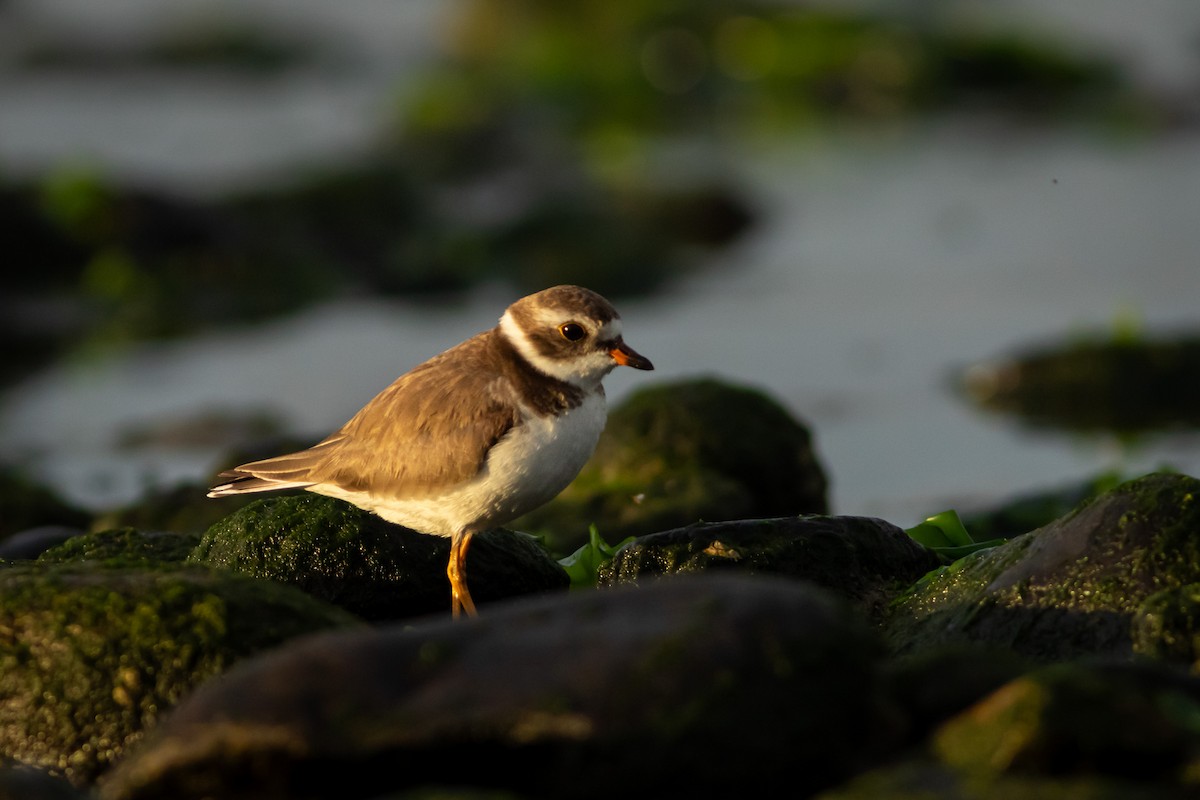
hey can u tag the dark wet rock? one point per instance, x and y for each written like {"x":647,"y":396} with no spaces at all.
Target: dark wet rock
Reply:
{"x":30,"y":504}
{"x":377,"y":570}
{"x":29,"y":544}
{"x":124,"y":547}
{"x":925,"y":780}
{"x":701,"y":687}
{"x":867,"y":561}
{"x":1072,"y":588}
{"x":91,"y":655}
{"x":19,"y":782}
{"x":1167,"y":626}
{"x":679,"y":452}
{"x":1124,"y":384}
{"x":932,"y":686}
{"x":1128,"y":722}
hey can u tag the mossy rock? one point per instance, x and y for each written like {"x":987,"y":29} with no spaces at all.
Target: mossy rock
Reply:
{"x":866,"y":561}
{"x":680,"y":452}
{"x":1128,"y":385}
{"x":124,"y":547}
{"x":1127,"y":722}
{"x":91,"y":655}
{"x":1167,"y":626}
{"x":377,"y":570}
{"x":934,"y":685}
{"x":1072,"y":588}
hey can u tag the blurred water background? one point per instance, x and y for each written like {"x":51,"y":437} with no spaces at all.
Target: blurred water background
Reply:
{"x":886,"y":255}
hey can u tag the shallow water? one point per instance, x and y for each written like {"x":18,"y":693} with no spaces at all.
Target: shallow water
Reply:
{"x":887,"y":260}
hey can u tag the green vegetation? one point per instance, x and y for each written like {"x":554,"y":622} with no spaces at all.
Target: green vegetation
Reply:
{"x":583,"y":566}
{"x":945,"y":535}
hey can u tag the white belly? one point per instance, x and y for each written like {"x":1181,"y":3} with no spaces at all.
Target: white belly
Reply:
{"x":526,"y":469}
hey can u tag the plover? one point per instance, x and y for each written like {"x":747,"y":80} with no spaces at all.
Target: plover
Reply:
{"x":475,"y":437}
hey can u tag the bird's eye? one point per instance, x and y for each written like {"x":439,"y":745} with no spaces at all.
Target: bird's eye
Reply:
{"x":572,"y":331}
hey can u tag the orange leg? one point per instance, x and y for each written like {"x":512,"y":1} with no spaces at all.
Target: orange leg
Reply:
{"x":460,"y":597}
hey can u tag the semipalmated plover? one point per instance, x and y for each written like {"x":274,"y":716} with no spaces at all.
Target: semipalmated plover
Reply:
{"x":475,"y":437}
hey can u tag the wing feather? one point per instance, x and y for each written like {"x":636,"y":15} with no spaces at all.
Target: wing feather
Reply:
{"x":430,"y":430}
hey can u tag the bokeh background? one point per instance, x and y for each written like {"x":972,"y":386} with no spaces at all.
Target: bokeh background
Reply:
{"x":227,"y":220}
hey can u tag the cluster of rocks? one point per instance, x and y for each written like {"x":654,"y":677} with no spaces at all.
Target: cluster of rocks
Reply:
{"x":300,"y":648}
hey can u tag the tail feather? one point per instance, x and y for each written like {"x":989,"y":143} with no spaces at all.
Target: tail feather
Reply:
{"x":245,"y":483}
{"x":288,"y":471}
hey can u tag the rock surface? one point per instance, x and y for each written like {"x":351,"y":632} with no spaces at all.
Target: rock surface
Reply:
{"x":124,"y":547}
{"x":723,"y":679}
{"x":866,"y":561}
{"x":1115,"y":720}
{"x":1167,"y":626}
{"x":1072,"y":588}
{"x":699,"y":687}
{"x":90,"y":655}
{"x":26,"y":783}
{"x":1120,"y":385}
{"x":376,"y":570}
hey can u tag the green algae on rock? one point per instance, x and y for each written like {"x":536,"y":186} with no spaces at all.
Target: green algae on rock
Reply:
{"x":92,"y":654}
{"x":1167,"y":626}
{"x":373,"y":568}
{"x":683,"y":451}
{"x":867,"y":561}
{"x":1072,"y":588}
{"x":124,"y":547}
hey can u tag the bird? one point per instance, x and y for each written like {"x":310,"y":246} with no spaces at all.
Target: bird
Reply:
{"x":475,"y":437}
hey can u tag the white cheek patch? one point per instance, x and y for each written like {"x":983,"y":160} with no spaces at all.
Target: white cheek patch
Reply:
{"x":512,"y":332}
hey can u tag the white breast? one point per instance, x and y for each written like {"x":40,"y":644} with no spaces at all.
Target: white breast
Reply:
{"x":527,"y":468}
